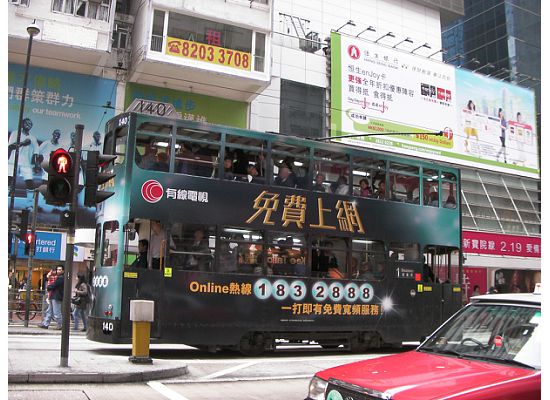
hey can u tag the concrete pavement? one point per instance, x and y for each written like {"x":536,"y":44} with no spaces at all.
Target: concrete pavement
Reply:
{"x":26,"y":364}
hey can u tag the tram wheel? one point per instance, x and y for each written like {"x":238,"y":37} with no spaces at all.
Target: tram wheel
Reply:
{"x":252,"y":344}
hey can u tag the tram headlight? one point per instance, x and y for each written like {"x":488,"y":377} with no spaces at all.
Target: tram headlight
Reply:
{"x":387,"y":304}
{"x":317,"y":387}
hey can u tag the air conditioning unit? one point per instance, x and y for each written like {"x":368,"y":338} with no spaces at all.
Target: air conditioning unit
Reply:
{"x":311,"y":43}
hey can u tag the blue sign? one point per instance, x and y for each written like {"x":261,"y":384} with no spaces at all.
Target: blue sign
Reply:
{"x":49,"y":246}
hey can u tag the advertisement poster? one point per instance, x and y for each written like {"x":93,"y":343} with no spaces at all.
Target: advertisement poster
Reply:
{"x":192,"y":106}
{"x":496,"y":124}
{"x":56,"y":101}
{"x":401,"y":99}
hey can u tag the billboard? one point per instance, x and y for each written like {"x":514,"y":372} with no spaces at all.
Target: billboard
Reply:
{"x":55,"y":102}
{"x":379,"y":90}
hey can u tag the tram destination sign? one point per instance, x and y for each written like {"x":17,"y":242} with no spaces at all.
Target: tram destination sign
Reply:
{"x":155,"y":108}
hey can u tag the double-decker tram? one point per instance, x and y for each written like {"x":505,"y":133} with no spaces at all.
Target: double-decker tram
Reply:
{"x":247,"y":239}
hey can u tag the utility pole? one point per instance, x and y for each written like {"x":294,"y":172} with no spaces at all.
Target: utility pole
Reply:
{"x":32,"y":250}
{"x":69,"y":249}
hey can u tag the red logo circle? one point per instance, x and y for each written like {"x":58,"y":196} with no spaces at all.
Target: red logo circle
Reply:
{"x":152,"y":191}
{"x":448,"y":133}
{"x":354,"y":51}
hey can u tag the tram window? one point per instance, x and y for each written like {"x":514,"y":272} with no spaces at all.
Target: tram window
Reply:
{"x":241,"y":164}
{"x":197,"y":152}
{"x":404,"y":252}
{"x":329,"y":257}
{"x":404,"y":183}
{"x":152,"y":152}
{"x":448,"y":190}
{"x":121,"y":139}
{"x":246,"y":245}
{"x":110,"y":243}
{"x":335,"y":168}
{"x":290,"y":165}
{"x":444,"y":262}
{"x":367,"y":260}
{"x":364,"y":171}
{"x":195,"y":247}
{"x":431,"y":187}
{"x":120,"y":144}
{"x":286,"y":254}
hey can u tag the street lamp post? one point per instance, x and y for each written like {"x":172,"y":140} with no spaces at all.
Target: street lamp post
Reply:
{"x":32,"y":30}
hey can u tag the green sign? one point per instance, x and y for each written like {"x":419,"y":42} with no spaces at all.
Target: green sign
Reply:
{"x":192,"y":106}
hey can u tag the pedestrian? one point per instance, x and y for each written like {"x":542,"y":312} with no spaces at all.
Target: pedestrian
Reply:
{"x":81,"y":299}
{"x":48,"y":312}
{"x":56,"y":298}
{"x":12,"y":289}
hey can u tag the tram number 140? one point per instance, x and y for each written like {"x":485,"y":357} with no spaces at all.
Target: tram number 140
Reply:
{"x":107,"y":328}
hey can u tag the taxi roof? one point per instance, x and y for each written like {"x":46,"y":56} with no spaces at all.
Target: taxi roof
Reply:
{"x":526,"y":298}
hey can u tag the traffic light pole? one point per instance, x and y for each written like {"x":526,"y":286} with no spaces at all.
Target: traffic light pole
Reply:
{"x":69,"y":249}
{"x":32,"y":250}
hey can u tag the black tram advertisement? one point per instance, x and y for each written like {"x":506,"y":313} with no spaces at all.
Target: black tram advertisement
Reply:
{"x":247,"y":239}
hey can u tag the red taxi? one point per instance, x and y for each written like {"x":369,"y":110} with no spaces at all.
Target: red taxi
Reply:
{"x":491,"y":349}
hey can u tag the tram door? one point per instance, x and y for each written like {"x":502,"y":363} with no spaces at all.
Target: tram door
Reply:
{"x":141,"y":284}
{"x":444,"y":262}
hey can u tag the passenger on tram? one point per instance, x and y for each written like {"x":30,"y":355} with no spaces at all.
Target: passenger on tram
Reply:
{"x":149,"y":158}
{"x":364,"y":189}
{"x":327,"y":259}
{"x":254,"y":175}
{"x":318,"y":185}
{"x":342,"y":186}
{"x":379,"y":272}
{"x":162,"y":162}
{"x":199,"y":256}
{"x":380,"y":192}
{"x":450,"y":202}
{"x":227,"y":258}
{"x":285,"y":177}
{"x":158,"y":236}
{"x":365,"y":271}
{"x":228,"y":168}
{"x":141,"y":259}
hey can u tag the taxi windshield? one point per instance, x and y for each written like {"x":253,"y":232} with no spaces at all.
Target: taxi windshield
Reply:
{"x":502,"y":333}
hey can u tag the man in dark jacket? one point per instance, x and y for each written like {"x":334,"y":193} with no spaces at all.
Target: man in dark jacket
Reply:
{"x":56,"y":297}
{"x":141,"y":259}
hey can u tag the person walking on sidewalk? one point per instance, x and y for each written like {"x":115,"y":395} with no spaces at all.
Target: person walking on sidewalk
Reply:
{"x":56,"y":298}
{"x":48,"y":312}
{"x":80,"y":301}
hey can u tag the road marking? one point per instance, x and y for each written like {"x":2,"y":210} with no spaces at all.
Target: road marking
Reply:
{"x":241,"y":379}
{"x":163,"y":390}
{"x":228,"y":370}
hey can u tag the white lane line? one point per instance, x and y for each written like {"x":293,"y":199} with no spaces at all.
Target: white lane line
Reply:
{"x":242,"y":379}
{"x":229,"y":370}
{"x":163,"y":390}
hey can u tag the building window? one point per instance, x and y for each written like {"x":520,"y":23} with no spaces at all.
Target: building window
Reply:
{"x":208,"y":41}
{"x":120,"y":36}
{"x":302,"y":110}
{"x":94,"y":9}
{"x":20,"y":2}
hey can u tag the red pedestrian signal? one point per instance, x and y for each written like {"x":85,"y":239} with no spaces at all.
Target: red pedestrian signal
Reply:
{"x":60,"y":168}
{"x":29,"y":244}
{"x":61,"y":161}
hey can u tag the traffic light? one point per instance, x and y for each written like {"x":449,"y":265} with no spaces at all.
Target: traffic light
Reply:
{"x":24,"y":224}
{"x":61,"y":170}
{"x":94,"y":178}
{"x":29,"y":243}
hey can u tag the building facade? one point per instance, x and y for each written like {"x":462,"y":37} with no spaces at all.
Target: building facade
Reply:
{"x":258,"y":64}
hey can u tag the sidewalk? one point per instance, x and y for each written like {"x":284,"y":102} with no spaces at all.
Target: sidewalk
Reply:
{"x":29,"y":364}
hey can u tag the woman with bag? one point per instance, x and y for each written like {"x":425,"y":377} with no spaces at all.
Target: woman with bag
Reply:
{"x":80,"y":301}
